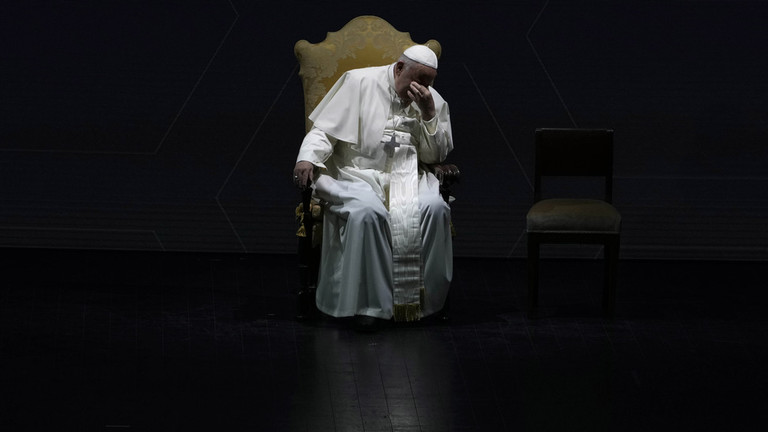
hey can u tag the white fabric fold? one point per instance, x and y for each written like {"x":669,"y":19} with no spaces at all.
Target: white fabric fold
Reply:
{"x":357,"y":107}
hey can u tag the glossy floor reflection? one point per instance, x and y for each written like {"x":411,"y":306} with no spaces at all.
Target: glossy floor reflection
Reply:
{"x":181,"y":342}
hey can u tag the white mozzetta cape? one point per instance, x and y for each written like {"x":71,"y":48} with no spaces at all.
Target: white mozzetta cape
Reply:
{"x":357,"y":107}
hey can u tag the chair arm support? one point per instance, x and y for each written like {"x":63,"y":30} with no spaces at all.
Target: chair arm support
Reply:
{"x":448,"y":175}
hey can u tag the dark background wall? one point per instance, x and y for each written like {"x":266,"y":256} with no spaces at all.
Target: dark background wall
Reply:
{"x":174,"y":125}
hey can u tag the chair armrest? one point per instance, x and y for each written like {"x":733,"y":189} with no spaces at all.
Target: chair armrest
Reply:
{"x":448,"y":175}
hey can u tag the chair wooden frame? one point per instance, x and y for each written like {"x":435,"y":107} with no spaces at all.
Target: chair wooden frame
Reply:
{"x":580,"y":153}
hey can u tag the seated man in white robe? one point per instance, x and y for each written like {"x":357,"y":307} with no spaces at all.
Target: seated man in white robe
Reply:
{"x":387,"y":250}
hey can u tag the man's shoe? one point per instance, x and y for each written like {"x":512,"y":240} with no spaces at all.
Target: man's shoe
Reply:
{"x":367,"y":323}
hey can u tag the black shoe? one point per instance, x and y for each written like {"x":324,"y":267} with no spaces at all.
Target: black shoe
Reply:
{"x":365,"y":323}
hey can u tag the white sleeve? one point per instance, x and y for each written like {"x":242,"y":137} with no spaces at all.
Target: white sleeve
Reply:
{"x":436,"y":140}
{"x":316,"y":148}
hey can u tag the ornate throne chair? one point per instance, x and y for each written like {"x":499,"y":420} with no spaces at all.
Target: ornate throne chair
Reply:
{"x":364,"y":41}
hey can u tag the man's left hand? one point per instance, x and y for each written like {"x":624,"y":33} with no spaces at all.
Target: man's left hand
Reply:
{"x":423,"y":98}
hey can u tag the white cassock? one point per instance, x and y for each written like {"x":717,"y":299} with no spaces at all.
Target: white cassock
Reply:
{"x":387,"y":247}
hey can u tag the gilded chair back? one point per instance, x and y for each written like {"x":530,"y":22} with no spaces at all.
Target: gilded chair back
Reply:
{"x":365,"y":41}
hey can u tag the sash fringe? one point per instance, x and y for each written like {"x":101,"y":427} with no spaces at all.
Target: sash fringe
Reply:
{"x":407,"y":312}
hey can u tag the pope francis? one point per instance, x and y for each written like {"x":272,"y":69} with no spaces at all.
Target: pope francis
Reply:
{"x":387,"y":249}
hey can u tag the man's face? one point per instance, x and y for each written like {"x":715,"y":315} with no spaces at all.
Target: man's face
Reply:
{"x":417,"y":72}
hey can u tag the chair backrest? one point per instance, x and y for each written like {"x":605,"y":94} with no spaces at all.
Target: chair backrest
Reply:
{"x":574,"y":153}
{"x":364,"y":41}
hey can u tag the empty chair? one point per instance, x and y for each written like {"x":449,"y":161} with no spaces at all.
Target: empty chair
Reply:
{"x":575,"y":220}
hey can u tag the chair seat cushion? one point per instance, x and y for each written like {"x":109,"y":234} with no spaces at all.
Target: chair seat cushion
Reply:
{"x":573,"y":215}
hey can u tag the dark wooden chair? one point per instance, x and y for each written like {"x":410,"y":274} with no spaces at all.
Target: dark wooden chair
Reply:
{"x":364,"y":41}
{"x":574,"y":153}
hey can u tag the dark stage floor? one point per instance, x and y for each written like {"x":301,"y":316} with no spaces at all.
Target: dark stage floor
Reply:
{"x":97,"y":341}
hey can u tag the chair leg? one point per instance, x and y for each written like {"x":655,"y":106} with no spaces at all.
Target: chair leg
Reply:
{"x":305,"y":297}
{"x":533,"y":275}
{"x":611,"y":271}
{"x":309,"y":263}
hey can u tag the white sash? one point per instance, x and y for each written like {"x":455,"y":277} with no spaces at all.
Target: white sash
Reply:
{"x":406,"y":233}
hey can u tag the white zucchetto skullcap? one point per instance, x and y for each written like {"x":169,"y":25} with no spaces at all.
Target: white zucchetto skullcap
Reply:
{"x":422,"y":54}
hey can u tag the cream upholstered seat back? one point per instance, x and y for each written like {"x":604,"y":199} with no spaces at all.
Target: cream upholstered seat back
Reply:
{"x":364,"y":41}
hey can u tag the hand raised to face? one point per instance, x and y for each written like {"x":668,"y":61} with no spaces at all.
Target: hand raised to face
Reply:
{"x":423,"y":98}
{"x":412,"y":82}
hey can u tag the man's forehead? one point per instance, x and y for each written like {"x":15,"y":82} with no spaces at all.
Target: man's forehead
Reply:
{"x":427,"y":74}
{"x":423,"y":71}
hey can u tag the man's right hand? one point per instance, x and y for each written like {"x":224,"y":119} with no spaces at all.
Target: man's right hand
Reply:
{"x":303,"y":174}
